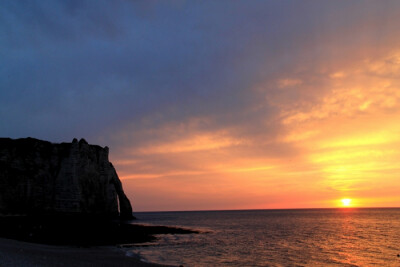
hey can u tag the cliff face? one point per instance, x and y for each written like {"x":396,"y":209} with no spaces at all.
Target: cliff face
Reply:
{"x":39,"y":177}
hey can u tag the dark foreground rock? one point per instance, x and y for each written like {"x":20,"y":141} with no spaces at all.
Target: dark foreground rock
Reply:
{"x":85,"y":231}
{"x":42,"y":178}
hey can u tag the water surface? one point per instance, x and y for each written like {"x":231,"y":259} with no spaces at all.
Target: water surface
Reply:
{"x":313,"y":237}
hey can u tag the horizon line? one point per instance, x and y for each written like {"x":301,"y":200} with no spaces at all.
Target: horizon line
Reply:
{"x":272,"y":209}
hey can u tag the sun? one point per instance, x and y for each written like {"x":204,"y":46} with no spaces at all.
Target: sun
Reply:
{"x":346,"y":202}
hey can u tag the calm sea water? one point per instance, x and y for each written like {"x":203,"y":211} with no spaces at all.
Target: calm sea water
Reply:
{"x":316,"y":237}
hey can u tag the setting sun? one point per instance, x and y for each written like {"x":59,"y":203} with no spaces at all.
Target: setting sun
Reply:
{"x":346,"y":202}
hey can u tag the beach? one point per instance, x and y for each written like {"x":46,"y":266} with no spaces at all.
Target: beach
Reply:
{"x":75,"y":241}
{"x":17,"y":253}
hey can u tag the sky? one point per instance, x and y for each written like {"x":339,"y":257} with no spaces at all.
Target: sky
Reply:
{"x":209,"y":105}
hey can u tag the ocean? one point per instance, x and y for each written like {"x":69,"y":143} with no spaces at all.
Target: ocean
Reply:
{"x":309,"y":237}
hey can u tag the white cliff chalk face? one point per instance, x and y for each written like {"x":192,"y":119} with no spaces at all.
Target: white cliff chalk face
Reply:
{"x":38,"y":177}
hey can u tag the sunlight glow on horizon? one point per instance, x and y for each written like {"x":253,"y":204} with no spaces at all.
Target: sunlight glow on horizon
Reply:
{"x":338,"y":137}
{"x":334,"y":148}
{"x":346,"y":202}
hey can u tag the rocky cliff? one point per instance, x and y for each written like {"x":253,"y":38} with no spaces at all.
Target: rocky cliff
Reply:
{"x":39,"y":177}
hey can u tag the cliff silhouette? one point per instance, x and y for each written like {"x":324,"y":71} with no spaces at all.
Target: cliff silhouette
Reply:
{"x":42,"y":178}
{"x":66,"y":194}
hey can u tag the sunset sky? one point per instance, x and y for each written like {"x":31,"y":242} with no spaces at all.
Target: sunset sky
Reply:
{"x":214,"y":104}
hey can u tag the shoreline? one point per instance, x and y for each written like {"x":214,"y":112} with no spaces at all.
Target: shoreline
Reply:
{"x":83,"y":232}
{"x":63,"y":241}
{"x":19,"y":253}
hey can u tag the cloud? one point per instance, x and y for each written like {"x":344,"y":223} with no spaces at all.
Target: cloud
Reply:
{"x":201,"y":89}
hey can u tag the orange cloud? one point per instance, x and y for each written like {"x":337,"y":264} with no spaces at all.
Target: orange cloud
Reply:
{"x":196,"y":142}
{"x":333,"y":142}
{"x":289,"y":82}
